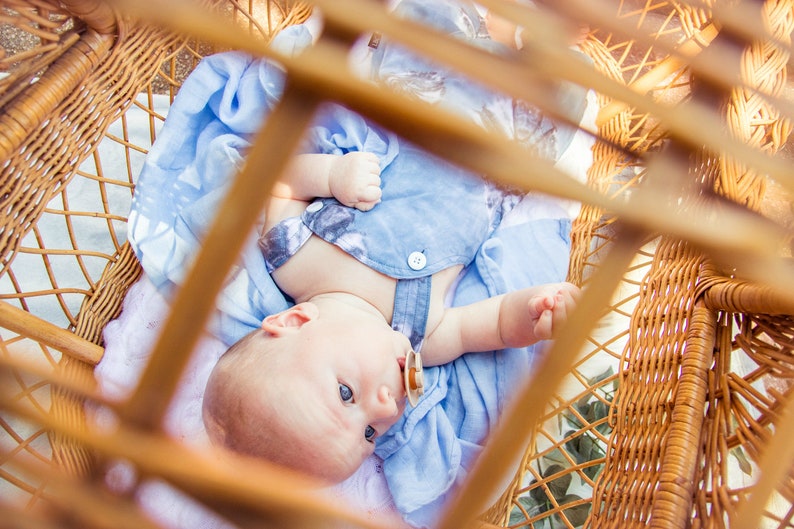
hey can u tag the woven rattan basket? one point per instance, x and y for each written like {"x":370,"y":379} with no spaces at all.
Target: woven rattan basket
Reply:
{"x":667,"y":402}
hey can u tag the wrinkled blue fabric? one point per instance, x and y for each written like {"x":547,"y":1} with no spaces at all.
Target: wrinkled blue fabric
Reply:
{"x":186,"y":174}
{"x":427,"y":206}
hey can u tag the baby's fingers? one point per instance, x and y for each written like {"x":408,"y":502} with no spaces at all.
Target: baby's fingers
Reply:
{"x":544,"y":326}
{"x":570,"y":292}
{"x":564,"y":302}
{"x":367,"y":164}
{"x":368,"y":198}
{"x":539,"y":304}
{"x":552,"y":312}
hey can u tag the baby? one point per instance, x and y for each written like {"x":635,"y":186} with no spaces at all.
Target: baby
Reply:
{"x":315,"y":386}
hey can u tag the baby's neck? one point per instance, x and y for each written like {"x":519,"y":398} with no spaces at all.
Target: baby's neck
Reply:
{"x":333,"y":300}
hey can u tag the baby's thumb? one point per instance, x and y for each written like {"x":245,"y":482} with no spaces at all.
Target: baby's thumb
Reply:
{"x":544,"y":326}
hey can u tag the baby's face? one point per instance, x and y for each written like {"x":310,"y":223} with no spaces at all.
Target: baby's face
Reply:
{"x":346,"y":387}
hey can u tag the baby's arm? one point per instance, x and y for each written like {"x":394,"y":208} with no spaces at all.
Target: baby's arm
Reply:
{"x":515,"y":319}
{"x":353,"y":179}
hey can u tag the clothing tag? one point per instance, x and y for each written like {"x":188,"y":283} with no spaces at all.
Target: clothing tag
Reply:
{"x":374,"y":41}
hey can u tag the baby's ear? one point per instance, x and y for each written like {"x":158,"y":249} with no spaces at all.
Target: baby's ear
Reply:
{"x":291,"y":319}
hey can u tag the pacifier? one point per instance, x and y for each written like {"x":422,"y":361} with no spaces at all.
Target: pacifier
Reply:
{"x":414,"y":379}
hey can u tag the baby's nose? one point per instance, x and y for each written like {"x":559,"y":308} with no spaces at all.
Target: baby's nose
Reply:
{"x":386,"y":404}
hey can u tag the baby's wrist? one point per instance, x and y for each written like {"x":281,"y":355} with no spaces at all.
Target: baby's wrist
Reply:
{"x":335,"y":177}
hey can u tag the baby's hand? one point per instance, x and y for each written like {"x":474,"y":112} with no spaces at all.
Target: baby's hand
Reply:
{"x":354,"y":180}
{"x":548,"y":311}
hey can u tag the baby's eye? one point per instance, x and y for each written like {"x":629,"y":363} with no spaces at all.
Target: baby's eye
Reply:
{"x":345,"y":393}
{"x":369,"y":433}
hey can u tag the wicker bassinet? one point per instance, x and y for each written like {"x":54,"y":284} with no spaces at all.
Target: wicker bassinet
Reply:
{"x":666,"y":403}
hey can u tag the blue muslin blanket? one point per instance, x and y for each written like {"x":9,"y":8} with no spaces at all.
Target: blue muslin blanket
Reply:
{"x":223,"y":102}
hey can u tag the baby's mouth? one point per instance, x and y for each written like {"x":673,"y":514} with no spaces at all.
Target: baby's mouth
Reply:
{"x":413,"y":377}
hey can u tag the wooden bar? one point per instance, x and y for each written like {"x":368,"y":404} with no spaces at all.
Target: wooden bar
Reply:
{"x":673,"y":504}
{"x":98,"y":15}
{"x":735,"y":295}
{"x":35,"y":105}
{"x":25,"y":323}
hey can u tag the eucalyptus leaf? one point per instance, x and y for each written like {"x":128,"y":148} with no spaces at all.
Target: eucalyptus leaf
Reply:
{"x":558,"y":486}
{"x":605,"y":374}
{"x":576,"y":514}
{"x":744,"y":463}
{"x":529,"y":505}
{"x":538,"y":494}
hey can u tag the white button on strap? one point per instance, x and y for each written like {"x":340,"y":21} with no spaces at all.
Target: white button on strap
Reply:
{"x":417,"y":260}
{"x":314,"y":207}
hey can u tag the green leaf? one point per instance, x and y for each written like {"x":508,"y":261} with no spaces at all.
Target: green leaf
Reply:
{"x":576,"y":514}
{"x":572,"y":445}
{"x":582,"y":405}
{"x":593,"y":471}
{"x":516,"y":516}
{"x":535,"y":503}
{"x":744,"y":463}
{"x":555,"y":457}
{"x":588,"y":449}
{"x":530,"y":506}
{"x":558,"y":486}
{"x":551,"y":470}
{"x":538,"y":495}
{"x":572,"y":420}
{"x":584,"y":448}
{"x":604,"y":428}
{"x":605,"y":374}
{"x":600,"y":409}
